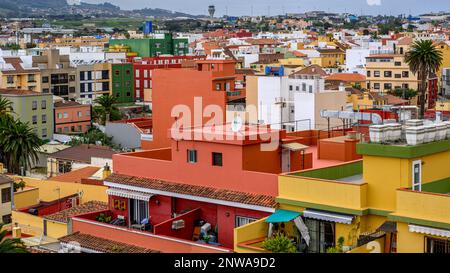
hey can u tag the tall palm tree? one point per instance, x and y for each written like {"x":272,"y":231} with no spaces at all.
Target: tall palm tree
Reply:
{"x":7,"y":245}
{"x":18,"y":143}
{"x":5,"y":105}
{"x":423,"y":59}
{"x":106,"y":103}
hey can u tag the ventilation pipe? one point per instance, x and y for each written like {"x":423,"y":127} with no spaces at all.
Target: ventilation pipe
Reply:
{"x":355,"y":116}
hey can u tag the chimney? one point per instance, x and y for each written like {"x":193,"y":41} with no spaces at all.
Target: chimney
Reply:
{"x":106,"y":171}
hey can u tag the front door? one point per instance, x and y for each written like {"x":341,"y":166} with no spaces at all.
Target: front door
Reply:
{"x":285,"y":161}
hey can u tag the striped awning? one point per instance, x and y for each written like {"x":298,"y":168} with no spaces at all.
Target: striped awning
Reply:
{"x":129,"y":194}
{"x":430,"y":231}
{"x":328,"y":216}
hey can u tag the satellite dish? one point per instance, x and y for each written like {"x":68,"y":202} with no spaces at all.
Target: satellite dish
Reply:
{"x":236,"y":124}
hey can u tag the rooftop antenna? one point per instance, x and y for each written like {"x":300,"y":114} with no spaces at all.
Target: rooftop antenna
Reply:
{"x":236,"y":124}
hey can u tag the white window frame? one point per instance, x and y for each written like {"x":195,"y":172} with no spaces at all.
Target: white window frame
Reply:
{"x":240,"y":219}
{"x":417,"y":183}
{"x":192,"y":156}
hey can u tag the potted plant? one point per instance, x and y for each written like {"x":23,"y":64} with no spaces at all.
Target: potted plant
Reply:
{"x":279,"y":243}
{"x":338,"y":247}
{"x":102,"y":217}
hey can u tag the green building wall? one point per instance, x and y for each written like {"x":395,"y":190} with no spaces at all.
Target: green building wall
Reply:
{"x":23,"y":110}
{"x":123,"y":82}
{"x":151,"y":47}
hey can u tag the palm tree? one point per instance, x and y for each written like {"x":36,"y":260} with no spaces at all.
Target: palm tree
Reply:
{"x":7,"y":245}
{"x":106,"y":103}
{"x":423,"y":59}
{"x":5,"y":105}
{"x":18,"y":143}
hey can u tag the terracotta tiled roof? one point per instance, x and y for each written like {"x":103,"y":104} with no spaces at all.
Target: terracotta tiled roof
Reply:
{"x":405,"y":41}
{"x":262,"y":41}
{"x":393,"y":100}
{"x":88,"y":207}
{"x":18,"y":92}
{"x":77,"y":175}
{"x":347,"y":77}
{"x":66,"y":104}
{"x":312,"y":70}
{"x":84,"y":153}
{"x":103,"y":245}
{"x":194,"y":190}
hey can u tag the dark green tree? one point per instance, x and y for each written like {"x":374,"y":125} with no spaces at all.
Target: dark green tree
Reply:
{"x":423,"y":59}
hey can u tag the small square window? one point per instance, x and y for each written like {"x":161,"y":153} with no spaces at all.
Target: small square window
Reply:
{"x":6,"y":195}
{"x":217,"y":159}
{"x":192,"y":156}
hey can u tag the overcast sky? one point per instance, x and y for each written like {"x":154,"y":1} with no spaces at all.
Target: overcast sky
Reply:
{"x":274,"y":7}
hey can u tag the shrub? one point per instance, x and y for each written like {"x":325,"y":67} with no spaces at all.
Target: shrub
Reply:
{"x":279,"y":243}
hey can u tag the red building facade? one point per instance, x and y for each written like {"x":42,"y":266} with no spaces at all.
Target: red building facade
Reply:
{"x":143,"y":70}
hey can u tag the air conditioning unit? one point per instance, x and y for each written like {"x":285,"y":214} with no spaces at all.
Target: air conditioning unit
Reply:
{"x":178,"y":224}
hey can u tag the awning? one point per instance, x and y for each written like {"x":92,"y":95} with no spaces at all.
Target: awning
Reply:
{"x":294,"y":146}
{"x":281,"y":216}
{"x":430,"y":231}
{"x":388,"y":226}
{"x":328,"y":216}
{"x":129,"y":194}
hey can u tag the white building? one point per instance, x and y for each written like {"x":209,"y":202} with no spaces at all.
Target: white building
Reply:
{"x":293,"y":102}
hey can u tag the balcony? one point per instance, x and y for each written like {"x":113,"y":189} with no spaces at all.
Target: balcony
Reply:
{"x":338,"y":188}
{"x":171,"y":236}
{"x":428,"y":207}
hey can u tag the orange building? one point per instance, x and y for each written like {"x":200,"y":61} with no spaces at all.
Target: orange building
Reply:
{"x":72,"y":117}
{"x":212,"y":80}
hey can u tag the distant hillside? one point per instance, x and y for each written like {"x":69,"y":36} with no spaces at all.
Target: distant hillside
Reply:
{"x":32,"y":8}
{"x":163,"y":13}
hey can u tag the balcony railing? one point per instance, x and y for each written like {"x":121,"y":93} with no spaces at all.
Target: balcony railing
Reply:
{"x":165,"y":244}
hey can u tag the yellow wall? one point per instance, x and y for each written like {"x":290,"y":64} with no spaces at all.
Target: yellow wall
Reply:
{"x":409,"y":242}
{"x":397,"y":173}
{"x":443,"y":106}
{"x":26,"y":198}
{"x":376,"y":246}
{"x":371,"y":67}
{"x":56,"y":229}
{"x":30,"y":224}
{"x":292,"y":61}
{"x":424,"y":206}
{"x":324,"y":192}
{"x":252,"y":231}
{"x":48,"y":192}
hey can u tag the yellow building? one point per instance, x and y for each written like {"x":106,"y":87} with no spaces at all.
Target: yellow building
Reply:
{"x":366,"y":100}
{"x":15,"y":74}
{"x":443,"y":106}
{"x":389,"y":72}
{"x":403,"y":208}
{"x":44,"y":194}
{"x":76,"y":42}
{"x":444,"y":47}
{"x":329,"y":57}
{"x":6,"y":191}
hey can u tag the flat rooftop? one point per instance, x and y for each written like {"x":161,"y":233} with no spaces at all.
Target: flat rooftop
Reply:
{"x":356,"y":179}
